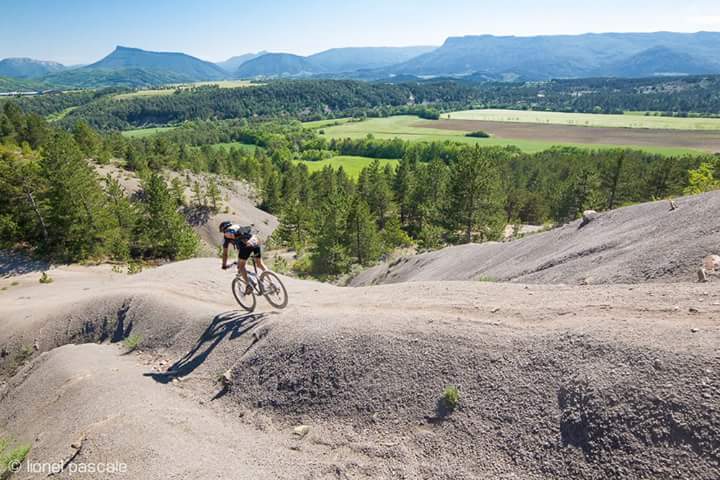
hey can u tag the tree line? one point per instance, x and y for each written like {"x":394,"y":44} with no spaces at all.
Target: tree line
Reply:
{"x":440,"y":193}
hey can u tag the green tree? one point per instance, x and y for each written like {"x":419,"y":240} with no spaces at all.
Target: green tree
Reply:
{"x":703,"y":178}
{"x":77,"y":220}
{"x":330,"y":255}
{"x":88,"y":140}
{"x":361,"y":233}
{"x":120,"y":237}
{"x":163,"y":230}
{"x":213,"y":195}
{"x":199,"y":196}
{"x":475,"y":198}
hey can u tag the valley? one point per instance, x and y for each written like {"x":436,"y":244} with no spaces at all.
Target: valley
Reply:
{"x":492,"y":256}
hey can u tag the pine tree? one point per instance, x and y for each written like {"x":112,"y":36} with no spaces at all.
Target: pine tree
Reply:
{"x":124,"y":218}
{"x":295,"y":225}
{"x":78,"y":221}
{"x":361,"y":233}
{"x":330,"y":255}
{"x":199,"y":197}
{"x":475,"y":199}
{"x":163,"y":230}
{"x":177,"y":188}
{"x":213,"y":195}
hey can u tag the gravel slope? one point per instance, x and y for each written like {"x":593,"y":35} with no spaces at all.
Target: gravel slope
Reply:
{"x":556,"y":381}
{"x":637,"y":244}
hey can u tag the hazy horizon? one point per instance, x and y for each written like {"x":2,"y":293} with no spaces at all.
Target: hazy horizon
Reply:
{"x":82,"y":31}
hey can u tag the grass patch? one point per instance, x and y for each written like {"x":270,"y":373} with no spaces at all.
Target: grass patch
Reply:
{"x":352,"y":165}
{"x":132,"y":342}
{"x":146,"y":132}
{"x":241,"y":146}
{"x":54,"y":117}
{"x":45,"y":278}
{"x":632,"y":120}
{"x":11,"y":458}
{"x":14,"y":284}
{"x":326,"y":123}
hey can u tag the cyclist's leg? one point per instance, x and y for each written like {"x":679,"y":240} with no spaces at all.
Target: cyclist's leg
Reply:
{"x":257,"y":251}
{"x":243,"y":255}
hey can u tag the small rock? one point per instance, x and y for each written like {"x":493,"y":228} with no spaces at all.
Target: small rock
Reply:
{"x":658,"y":365}
{"x":301,"y":430}
{"x":495,"y":310}
{"x":693,"y":310}
{"x":694,"y":330}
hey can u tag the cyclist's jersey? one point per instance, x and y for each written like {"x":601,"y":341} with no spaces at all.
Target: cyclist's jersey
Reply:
{"x":237,"y":235}
{"x":238,"y":232}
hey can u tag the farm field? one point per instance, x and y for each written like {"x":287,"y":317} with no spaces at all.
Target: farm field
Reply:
{"x":170,"y":89}
{"x":629,"y":120}
{"x":531,"y":139}
{"x":352,"y":165}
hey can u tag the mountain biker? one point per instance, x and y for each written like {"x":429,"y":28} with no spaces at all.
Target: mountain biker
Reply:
{"x":246,"y":243}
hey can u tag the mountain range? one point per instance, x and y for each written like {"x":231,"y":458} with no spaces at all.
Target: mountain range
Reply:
{"x":484,"y":57}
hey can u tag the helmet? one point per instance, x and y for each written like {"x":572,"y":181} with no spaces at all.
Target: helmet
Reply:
{"x":224,"y":225}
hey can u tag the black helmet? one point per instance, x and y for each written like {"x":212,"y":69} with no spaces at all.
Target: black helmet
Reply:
{"x":224,"y":225}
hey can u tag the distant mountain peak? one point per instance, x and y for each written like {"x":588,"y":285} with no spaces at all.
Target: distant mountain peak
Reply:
{"x":178,"y":64}
{"x":24,"y":67}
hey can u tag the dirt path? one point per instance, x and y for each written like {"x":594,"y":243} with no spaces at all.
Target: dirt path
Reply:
{"x":701,"y":140}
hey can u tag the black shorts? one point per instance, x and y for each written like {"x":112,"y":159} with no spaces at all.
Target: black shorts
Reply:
{"x":244,"y":251}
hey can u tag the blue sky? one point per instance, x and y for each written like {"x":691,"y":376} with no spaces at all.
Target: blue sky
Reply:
{"x":82,"y":31}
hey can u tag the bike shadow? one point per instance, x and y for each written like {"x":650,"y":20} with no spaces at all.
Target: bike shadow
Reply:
{"x":229,"y":325}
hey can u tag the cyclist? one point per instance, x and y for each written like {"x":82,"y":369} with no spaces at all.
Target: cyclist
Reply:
{"x":246,"y":243}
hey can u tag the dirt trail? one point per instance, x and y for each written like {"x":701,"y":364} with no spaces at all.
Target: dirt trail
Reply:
{"x":556,"y":381}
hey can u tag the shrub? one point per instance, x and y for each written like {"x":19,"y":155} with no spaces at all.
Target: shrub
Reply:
{"x":132,"y":342}
{"x":451,"y":397}
{"x":478,"y":134}
{"x":280,"y":264}
{"x":10,"y":459}
{"x":45,"y":278}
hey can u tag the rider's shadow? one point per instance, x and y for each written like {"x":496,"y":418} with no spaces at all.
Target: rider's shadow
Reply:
{"x":228,"y":324}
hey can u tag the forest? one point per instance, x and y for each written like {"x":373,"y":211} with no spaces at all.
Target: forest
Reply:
{"x":321,"y":99}
{"x":440,"y":194}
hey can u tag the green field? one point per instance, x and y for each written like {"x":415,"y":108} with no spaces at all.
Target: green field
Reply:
{"x":231,"y":145}
{"x":326,"y":123}
{"x":170,"y":89}
{"x":60,"y":115}
{"x":405,"y":127}
{"x":630,"y":120}
{"x":146,"y":132}
{"x":352,"y":165}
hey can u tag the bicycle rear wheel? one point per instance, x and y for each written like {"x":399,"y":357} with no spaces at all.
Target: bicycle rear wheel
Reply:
{"x":273,"y":290}
{"x":246,"y":301}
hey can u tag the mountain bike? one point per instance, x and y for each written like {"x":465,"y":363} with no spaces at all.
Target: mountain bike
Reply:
{"x":267,"y":285}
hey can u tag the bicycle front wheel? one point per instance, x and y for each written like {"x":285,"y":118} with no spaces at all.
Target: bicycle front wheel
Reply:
{"x":273,"y":290}
{"x":246,"y":300}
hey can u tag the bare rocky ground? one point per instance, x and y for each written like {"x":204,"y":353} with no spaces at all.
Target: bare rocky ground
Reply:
{"x":556,"y":381}
{"x":637,"y":244}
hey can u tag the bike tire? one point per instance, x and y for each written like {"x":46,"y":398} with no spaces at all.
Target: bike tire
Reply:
{"x":247,"y":302}
{"x":273,"y":290}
